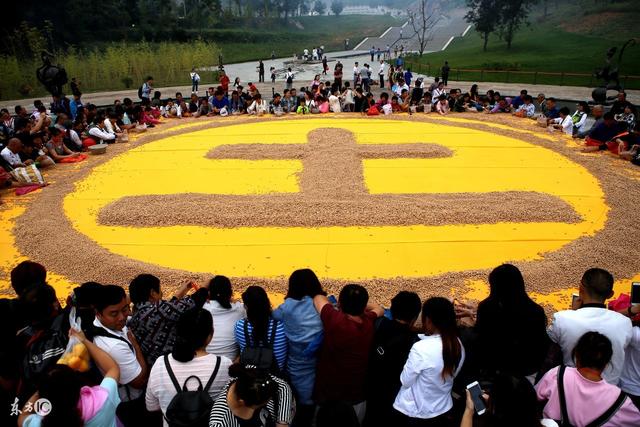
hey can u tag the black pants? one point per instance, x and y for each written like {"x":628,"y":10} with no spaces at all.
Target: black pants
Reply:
{"x":381,"y":81}
{"x":445,"y":79}
{"x":261,"y":77}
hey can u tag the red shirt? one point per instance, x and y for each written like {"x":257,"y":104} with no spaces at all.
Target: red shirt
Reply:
{"x":224,"y":82}
{"x":344,"y":356}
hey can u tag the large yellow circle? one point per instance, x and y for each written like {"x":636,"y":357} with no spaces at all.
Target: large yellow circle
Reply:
{"x":481,"y":162}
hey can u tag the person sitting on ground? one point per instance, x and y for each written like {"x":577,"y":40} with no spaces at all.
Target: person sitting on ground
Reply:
{"x":344,"y":354}
{"x":253,"y":398}
{"x":401,"y":86}
{"x":194,"y":103}
{"x":501,"y":106}
{"x":580,"y":395}
{"x":512,"y":401}
{"x":552,"y":110}
{"x":620,"y":103}
{"x":156,"y":101}
{"x":601,"y":137}
{"x":41,"y":121}
{"x":442,"y":106}
{"x":463,"y":104}
{"x":348,"y":98}
{"x":11,"y":154}
{"x":384,"y":100}
{"x":518,"y":100}
{"x":57,"y":150}
{"x":97,"y":132}
{"x":111,"y":334}
{"x":541,"y":104}
{"x":392,"y":342}
{"x":563,"y":123}
{"x":111,"y":126}
{"x":258,"y":106}
{"x":628,"y":145}
{"x":439,"y":90}
{"x":219,"y":102}
{"x":627,"y":118}
{"x":71,"y":402}
{"x":334,"y":101}
{"x":436,"y":83}
{"x":395,"y":105}
{"x":188,"y":359}
{"x":417,"y":93}
{"x":289,"y":102}
{"x":504,"y":344}
{"x":275,"y":107}
{"x":526,"y":109}
{"x":433,"y":363}
{"x":426,"y":105}
{"x":204,"y":109}
{"x":154,"y":319}
{"x":226,"y":313}
{"x":34,"y":151}
{"x":170,"y":110}
{"x":591,"y":314}
{"x":579,"y":118}
{"x":303,"y":328}
{"x":236,"y":103}
{"x":260,"y":327}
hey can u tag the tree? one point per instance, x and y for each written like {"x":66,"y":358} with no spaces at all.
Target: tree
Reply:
{"x":513,"y":13}
{"x":319,"y":7}
{"x":485,"y":16}
{"x":423,"y":20}
{"x":337,"y":7}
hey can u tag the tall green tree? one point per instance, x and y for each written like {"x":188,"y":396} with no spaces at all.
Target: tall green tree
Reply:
{"x":319,"y":7}
{"x":337,"y":7}
{"x":513,"y":13}
{"x":485,"y":16}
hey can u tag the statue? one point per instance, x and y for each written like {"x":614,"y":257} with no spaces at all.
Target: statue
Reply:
{"x":610,"y":74}
{"x":52,"y":77}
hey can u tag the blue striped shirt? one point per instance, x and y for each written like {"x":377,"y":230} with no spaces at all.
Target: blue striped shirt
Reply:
{"x":279,"y":345}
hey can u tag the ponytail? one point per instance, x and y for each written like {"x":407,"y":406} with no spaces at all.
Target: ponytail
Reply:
{"x":253,"y":387}
{"x":220,"y":291}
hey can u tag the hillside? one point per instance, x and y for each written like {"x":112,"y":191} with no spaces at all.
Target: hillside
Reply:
{"x":573,"y":38}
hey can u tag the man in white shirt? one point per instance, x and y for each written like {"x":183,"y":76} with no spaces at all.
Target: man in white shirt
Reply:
{"x":439,"y":90}
{"x":11,"y":155}
{"x":110,"y":333}
{"x":591,"y":314}
{"x":98,"y":131}
{"x":356,"y":73}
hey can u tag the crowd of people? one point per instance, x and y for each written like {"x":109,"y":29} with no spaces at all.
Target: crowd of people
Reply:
{"x":68,"y":128}
{"x":203,"y":358}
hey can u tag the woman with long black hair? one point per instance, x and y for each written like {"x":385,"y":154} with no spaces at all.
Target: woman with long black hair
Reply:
{"x":511,"y":328}
{"x":434,"y":361}
{"x":259,"y":326}
{"x":303,"y":328}
{"x":225,"y":313}
{"x":188,"y":359}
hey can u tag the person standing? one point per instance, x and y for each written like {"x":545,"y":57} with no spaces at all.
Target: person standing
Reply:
{"x":273,"y":55}
{"x":372,"y":52}
{"x":195,"y":80}
{"x":381,"y":72}
{"x":445,"y":73}
{"x":356,"y":73}
{"x":325,"y":66}
{"x":146,"y":89}
{"x":260,"y":72}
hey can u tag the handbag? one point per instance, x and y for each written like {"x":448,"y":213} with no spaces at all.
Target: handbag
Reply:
{"x":27,"y":175}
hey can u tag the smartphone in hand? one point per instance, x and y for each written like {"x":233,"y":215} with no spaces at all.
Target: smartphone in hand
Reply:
{"x":476,"y":396}
{"x":635,"y":293}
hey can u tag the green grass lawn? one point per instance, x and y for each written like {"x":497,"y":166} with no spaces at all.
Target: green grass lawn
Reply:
{"x":555,"y":46}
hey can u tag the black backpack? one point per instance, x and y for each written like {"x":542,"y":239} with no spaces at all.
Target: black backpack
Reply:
{"x":190,"y":408}
{"x":598,"y":422}
{"x":289,"y":79}
{"x":260,"y":354}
